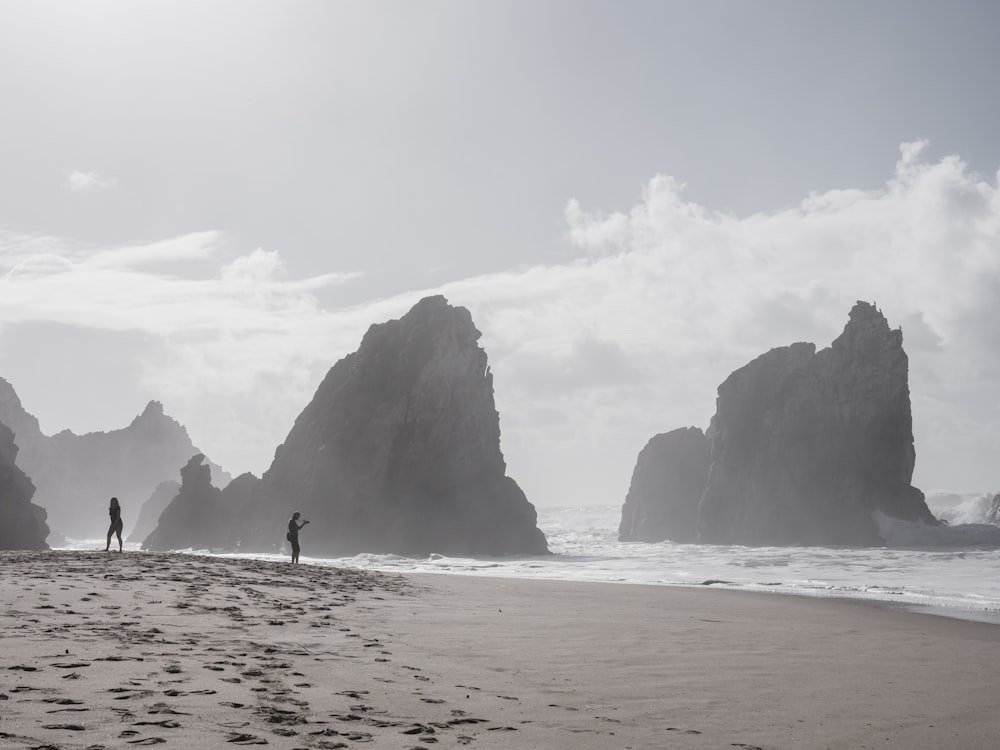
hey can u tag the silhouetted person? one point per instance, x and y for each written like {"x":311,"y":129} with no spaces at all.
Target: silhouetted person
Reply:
{"x":293,"y":534}
{"x":115,"y":511}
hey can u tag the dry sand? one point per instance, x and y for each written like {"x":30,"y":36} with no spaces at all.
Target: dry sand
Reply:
{"x":108,"y":650}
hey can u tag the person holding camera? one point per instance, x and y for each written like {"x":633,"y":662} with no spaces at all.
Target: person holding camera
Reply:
{"x":293,"y":534}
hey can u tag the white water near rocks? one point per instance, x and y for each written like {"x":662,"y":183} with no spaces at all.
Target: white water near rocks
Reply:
{"x":951,"y":570}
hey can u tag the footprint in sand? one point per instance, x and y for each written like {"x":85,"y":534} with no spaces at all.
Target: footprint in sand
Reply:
{"x":163,"y":708}
{"x":467,"y":720}
{"x":246,"y":739}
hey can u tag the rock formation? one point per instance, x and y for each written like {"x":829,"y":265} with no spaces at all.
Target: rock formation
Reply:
{"x":806,"y":445}
{"x":75,"y":475}
{"x":667,"y":484}
{"x":398,"y":451}
{"x":200,"y":515}
{"x":22,"y":523}
{"x":149,"y":512}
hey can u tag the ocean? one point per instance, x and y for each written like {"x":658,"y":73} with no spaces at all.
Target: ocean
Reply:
{"x":951,"y":570}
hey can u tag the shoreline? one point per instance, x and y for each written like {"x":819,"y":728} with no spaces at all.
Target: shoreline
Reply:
{"x":109,"y":650}
{"x":895,"y":602}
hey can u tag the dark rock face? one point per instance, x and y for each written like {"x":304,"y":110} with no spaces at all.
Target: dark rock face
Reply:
{"x":200,"y":515}
{"x":149,"y":513}
{"x":22,"y":523}
{"x":75,"y":475}
{"x":667,"y":484}
{"x":806,"y":446}
{"x":399,"y":451}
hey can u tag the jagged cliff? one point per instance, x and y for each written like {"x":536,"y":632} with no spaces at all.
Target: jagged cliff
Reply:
{"x":807,"y":445}
{"x":22,"y":523}
{"x":398,"y":451}
{"x":666,"y":487}
{"x":75,"y":475}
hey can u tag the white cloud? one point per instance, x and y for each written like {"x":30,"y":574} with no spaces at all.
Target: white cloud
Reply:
{"x":592,"y":357}
{"x":85,"y":182}
{"x":194,"y":246}
{"x":689,"y":295}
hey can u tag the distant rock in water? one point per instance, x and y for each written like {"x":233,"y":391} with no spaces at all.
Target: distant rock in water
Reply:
{"x":806,"y":446}
{"x":149,"y":512}
{"x":75,"y":475}
{"x":399,"y":451}
{"x":667,"y":484}
{"x":22,"y":523}
{"x":200,"y":515}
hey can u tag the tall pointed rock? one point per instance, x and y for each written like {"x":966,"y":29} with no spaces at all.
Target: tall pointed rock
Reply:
{"x":399,"y":451}
{"x":807,"y":447}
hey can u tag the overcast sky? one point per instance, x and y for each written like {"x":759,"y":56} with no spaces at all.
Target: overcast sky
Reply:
{"x":209,"y":203}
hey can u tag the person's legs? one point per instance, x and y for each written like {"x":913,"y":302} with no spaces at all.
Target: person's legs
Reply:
{"x":118,"y":532}
{"x":111,"y":530}
{"x":295,"y":550}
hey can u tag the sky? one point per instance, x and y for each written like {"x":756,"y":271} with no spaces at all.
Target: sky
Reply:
{"x":207,"y":204}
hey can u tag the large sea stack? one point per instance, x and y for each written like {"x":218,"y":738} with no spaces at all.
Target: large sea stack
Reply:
{"x":807,"y":447}
{"x":76,"y":475}
{"x":22,"y":523}
{"x":399,"y":451}
{"x":667,"y":484}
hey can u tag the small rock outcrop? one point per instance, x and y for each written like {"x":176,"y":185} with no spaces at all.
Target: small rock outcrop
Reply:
{"x":200,"y":515}
{"x":22,"y":523}
{"x":399,"y":451}
{"x":806,"y":446}
{"x":75,"y":475}
{"x":667,"y":484}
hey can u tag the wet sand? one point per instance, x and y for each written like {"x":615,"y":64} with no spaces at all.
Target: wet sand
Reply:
{"x":108,"y":650}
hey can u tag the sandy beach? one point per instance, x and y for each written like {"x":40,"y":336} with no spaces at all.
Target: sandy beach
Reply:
{"x":107,"y":650}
